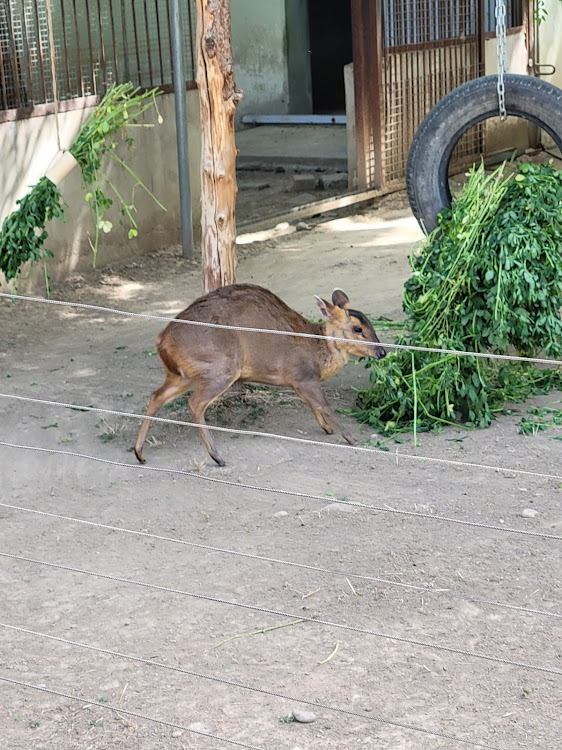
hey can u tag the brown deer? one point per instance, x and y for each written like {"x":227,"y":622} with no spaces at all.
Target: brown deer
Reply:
{"x":207,"y":360}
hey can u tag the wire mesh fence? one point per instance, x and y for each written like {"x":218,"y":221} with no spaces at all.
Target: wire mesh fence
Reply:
{"x":96,"y":43}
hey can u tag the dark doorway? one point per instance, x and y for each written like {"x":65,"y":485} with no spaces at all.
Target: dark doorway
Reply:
{"x":330,"y":49}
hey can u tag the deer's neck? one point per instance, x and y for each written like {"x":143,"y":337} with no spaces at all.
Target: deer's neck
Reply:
{"x":331,"y":356}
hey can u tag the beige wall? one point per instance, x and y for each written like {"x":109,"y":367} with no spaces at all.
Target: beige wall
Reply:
{"x":28,"y":146}
{"x":550,"y":41}
{"x":259,"y":52}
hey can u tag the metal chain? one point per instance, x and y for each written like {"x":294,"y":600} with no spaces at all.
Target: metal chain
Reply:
{"x":501,"y":34}
{"x":289,"y":615}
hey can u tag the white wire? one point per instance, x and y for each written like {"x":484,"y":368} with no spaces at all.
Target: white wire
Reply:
{"x":289,"y":615}
{"x":289,"y":493}
{"x":256,"y":433}
{"x":303,"y":566}
{"x":127,"y":712}
{"x":232,"y":683}
{"x":485,"y":355}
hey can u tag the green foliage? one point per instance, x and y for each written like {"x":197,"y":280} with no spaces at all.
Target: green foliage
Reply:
{"x":23,"y":232}
{"x":489,"y":279}
{"x":119,"y":109}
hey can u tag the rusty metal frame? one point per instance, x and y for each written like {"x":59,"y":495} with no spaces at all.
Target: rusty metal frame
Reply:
{"x":97,"y":43}
{"x":403,"y":64}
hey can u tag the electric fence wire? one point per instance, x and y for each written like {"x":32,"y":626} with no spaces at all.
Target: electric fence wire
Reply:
{"x":289,"y":615}
{"x":302,"y":566}
{"x":306,"y":441}
{"x":135,"y":714}
{"x":261,"y":609}
{"x":289,"y":493}
{"x":408,"y":347}
{"x":232,"y":683}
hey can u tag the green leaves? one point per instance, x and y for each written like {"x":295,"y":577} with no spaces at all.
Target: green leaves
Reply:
{"x":23,"y":231}
{"x":120,"y":108}
{"x":488,"y":280}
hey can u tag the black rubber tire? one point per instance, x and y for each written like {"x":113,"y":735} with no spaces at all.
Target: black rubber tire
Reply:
{"x":428,"y":162}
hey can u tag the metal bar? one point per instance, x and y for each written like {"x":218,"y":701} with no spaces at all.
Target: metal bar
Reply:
{"x":79,"y":56}
{"x":137,"y":52}
{"x":90,"y":48}
{"x":181,"y":131}
{"x":65,"y":42}
{"x":294,"y":119}
{"x":114,"y":39}
{"x":375,"y":42}
{"x":125,"y":40}
{"x":170,"y":34}
{"x":149,"y":55}
{"x":40,"y":53}
{"x":15,"y":65}
{"x":159,"y":35}
{"x":102,"y":45}
{"x":3,"y":79}
{"x":191,"y":45}
{"x":25,"y":51}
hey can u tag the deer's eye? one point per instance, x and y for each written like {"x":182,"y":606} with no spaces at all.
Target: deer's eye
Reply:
{"x":357,"y":329}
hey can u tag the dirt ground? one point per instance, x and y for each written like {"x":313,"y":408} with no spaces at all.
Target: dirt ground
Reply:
{"x":410,"y":616}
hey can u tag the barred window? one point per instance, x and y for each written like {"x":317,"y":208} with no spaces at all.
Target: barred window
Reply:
{"x":96,"y":43}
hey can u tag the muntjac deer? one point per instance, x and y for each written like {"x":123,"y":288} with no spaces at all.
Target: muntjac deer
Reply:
{"x":207,"y":360}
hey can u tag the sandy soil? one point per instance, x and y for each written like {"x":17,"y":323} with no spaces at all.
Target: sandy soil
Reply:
{"x":415,"y":597}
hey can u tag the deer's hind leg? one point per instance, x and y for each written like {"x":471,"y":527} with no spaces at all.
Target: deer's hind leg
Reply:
{"x":175,"y":385}
{"x":208,"y":390}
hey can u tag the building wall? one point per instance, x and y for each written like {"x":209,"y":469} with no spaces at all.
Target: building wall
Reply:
{"x":27,"y":148}
{"x":550,"y":40}
{"x":259,"y":52}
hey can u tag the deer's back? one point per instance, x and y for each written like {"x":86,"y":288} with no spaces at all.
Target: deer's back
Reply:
{"x":257,"y":356}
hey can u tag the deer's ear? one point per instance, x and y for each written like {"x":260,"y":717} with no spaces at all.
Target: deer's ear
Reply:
{"x":325,"y":307}
{"x":340,"y":299}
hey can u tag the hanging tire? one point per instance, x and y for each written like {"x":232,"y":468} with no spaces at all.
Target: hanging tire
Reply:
{"x":428,"y":162}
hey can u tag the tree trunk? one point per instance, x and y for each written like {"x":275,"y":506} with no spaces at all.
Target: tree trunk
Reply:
{"x":218,"y":98}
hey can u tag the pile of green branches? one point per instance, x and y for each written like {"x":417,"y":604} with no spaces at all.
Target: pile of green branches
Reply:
{"x":488,"y":280}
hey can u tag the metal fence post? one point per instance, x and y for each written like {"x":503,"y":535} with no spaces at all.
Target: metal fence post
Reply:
{"x":181,"y":130}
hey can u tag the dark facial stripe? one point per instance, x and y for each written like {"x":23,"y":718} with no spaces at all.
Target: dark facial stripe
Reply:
{"x":364,"y":321}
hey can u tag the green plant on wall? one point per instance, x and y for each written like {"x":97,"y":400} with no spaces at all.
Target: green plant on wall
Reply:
{"x":116,"y":113}
{"x":23,"y":234}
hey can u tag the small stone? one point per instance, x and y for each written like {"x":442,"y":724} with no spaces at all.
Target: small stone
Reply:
{"x":304,"y":717}
{"x":280,"y":514}
{"x":302,"y":226}
{"x":253,"y":186}
{"x":282,"y":226}
{"x":304,"y":182}
{"x":197,"y":726}
{"x":529,"y":513}
{"x":177,"y":733}
{"x":340,"y":506}
{"x":335,"y":180}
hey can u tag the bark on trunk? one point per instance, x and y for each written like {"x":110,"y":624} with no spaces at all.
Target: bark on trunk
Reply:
{"x":218,"y":97}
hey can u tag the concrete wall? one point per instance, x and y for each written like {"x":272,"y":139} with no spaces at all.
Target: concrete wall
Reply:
{"x":259,"y":52}
{"x":550,"y":46}
{"x":28,"y":146}
{"x":550,"y":40}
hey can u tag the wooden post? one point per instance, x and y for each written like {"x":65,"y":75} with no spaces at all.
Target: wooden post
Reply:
{"x":218,"y":98}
